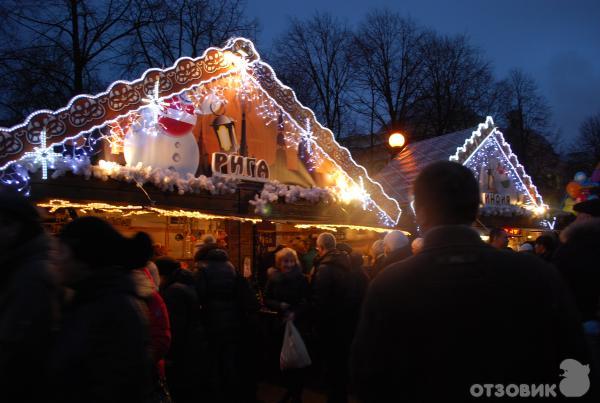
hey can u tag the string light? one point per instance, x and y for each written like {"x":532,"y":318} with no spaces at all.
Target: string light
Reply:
{"x":335,"y":227}
{"x":56,"y":204}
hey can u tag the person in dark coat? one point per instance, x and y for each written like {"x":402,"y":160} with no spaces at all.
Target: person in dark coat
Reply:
{"x":101,"y":351}
{"x":200,"y":257}
{"x":287,"y":293}
{"x":396,"y":247}
{"x":333,"y":314}
{"x":498,"y":238}
{"x":578,"y":259}
{"x":28,"y":300}
{"x":185,"y":358}
{"x":545,"y":246}
{"x":358,"y":282}
{"x":377,"y":258}
{"x":229,"y":313}
{"x":461,"y":312}
{"x":157,"y":314}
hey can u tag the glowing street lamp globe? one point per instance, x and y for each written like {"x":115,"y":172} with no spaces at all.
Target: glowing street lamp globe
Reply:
{"x":396,"y":141}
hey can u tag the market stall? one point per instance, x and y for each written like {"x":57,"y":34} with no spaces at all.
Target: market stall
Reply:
{"x":215,"y":144}
{"x":509,"y":199}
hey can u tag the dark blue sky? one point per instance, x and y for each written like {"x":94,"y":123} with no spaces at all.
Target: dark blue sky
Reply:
{"x":556,"y":41}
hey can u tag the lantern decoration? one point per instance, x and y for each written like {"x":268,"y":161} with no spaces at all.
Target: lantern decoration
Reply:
{"x":224,"y":128}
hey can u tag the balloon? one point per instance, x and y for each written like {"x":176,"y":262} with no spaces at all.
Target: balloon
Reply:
{"x":580,"y":177}
{"x":573,"y":189}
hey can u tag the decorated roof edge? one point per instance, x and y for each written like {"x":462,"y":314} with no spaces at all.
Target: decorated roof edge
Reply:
{"x":477,"y":139}
{"x":85,"y":113}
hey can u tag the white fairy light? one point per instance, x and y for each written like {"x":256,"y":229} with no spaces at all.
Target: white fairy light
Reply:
{"x":43,"y":154}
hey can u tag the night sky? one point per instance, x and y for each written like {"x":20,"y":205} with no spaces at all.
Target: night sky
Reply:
{"x":556,"y":41}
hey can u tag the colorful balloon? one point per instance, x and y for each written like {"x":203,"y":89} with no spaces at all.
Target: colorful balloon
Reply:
{"x":573,"y":189}
{"x":580,"y":177}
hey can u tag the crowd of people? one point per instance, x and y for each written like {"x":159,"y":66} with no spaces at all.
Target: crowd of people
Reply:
{"x":93,"y":316}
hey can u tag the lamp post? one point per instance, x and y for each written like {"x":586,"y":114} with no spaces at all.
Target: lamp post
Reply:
{"x":395,"y":144}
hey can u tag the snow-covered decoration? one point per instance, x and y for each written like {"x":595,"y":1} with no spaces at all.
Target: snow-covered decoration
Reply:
{"x":43,"y":155}
{"x":506,"y":188}
{"x":272,"y":191}
{"x":345,"y":192}
{"x":164,"y":179}
{"x":166,"y":140}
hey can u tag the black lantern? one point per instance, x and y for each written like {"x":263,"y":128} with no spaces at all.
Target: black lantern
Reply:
{"x":225,"y":130}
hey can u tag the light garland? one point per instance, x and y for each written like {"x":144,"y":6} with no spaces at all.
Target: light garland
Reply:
{"x":335,"y":227}
{"x":201,"y":216}
{"x":56,"y":204}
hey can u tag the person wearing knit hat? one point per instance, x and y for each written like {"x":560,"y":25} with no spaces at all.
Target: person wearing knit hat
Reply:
{"x":29,"y":299}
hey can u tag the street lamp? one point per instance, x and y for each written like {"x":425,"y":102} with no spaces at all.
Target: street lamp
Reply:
{"x":396,"y":143}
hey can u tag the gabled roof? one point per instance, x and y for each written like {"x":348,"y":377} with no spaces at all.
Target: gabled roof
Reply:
{"x":85,"y":113}
{"x":462,"y":146}
{"x":397,"y":177}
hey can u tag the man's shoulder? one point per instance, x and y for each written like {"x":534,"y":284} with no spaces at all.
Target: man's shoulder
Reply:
{"x":428,"y":262}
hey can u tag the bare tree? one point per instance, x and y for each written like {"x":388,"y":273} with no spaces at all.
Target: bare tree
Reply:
{"x":388,"y":68}
{"x":312,"y":56}
{"x":61,"y":48}
{"x":456,"y":87}
{"x":524,"y":111}
{"x":185,"y":28}
{"x":588,"y":140}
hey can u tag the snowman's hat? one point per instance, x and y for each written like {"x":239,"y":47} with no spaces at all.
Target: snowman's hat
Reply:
{"x":177,"y":117}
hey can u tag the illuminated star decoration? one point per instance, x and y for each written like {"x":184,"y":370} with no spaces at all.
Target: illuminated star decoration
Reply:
{"x":305,"y":146}
{"x":362,"y":194}
{"x":154,"y":102}
{"x":307,"y":136}
{"x":43,"y":154}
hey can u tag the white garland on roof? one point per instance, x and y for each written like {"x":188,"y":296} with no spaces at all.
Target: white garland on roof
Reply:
{"x":164,"y":179}
{"x":272,"y":191}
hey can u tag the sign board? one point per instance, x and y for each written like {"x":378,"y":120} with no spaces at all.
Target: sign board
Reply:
{"x":239,"y":167}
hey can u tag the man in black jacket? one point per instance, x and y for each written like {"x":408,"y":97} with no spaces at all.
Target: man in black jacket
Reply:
{"x":331,"y":303}
{"x":460,"y":315}
{"x":185,"y":358}
{"x":28,"y":300}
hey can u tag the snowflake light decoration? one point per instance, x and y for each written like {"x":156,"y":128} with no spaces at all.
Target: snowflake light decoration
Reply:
{"x":43,"y":155}
{"x":154,"y":102}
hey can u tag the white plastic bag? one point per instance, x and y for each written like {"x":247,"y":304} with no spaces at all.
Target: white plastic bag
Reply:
{"x":293,"y":352}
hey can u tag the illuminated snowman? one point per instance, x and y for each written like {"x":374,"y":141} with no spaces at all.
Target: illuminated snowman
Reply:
{"x":166,"y":141}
